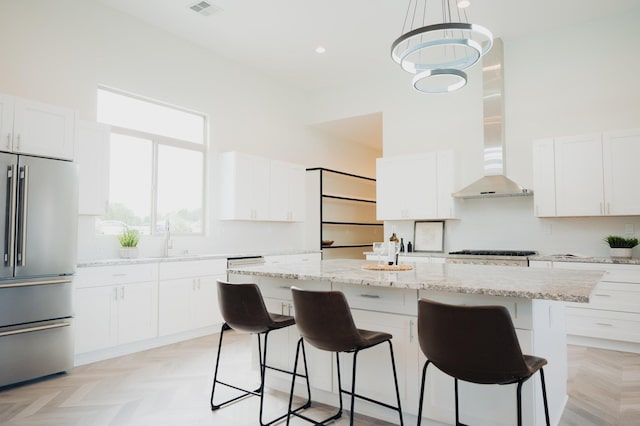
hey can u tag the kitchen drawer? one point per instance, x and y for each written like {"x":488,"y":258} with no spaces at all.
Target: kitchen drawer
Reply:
{"x":380,"y":299}
{"x":627,"y":275}
{"x":613,"y":296}
{"x":279,"y":288}
{"x":613,"y":271}
{"x":621,"y":326}
{"x":192,"y":268}
{"x":520,"y":309}
{"x":411,"y":259}
{"x":37,"y":350}
{"x":97,"y":276}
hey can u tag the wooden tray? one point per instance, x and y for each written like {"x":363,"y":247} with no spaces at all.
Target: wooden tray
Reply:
{"x":374,"y":267}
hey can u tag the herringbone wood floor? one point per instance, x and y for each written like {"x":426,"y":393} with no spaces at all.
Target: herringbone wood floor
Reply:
{"x":171,"y":385}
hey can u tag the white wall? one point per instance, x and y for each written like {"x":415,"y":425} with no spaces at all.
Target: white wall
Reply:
{"x":570,"y":81}
{"x":60,"y":51}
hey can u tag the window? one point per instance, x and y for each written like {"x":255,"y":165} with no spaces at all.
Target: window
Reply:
{"x":157,"y":166}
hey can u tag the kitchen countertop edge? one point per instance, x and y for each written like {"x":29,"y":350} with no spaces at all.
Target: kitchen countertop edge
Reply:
{"x":182,"y":258}
{"x":527,"y":283}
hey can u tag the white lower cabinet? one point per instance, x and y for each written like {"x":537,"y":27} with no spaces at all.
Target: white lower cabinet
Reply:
{"x":611,"y":319}
{"x":188,"y":296}
{"x":374,"y":376}
{"x":115,"y":305}
{"x":393,"y":311}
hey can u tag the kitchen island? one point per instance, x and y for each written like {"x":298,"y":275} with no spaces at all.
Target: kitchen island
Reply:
{"x":387,"y":301}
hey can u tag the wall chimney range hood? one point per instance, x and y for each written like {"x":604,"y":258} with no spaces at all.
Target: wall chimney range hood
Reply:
{"x":494,"y":183}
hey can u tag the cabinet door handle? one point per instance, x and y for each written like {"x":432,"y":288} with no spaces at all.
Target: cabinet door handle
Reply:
{"x":8,"y":140}
{"x":604,"y":324}
{"x":608,"y":208}
{"x":411,"y":330}
{"x":602,"y":295}
{"x":370,"y":296}
{"x":122,"y":293}
{"x":285,"y":287}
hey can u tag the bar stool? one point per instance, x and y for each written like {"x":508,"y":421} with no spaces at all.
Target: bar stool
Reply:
{"x":476,"y":344}
{"x":243,"y":309}
{"x":324,"y":320}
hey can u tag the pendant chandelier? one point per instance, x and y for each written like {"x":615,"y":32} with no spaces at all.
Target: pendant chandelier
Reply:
{"x":439,"y":45}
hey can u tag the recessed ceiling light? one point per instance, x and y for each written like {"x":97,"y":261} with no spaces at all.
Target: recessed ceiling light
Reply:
{"x":463,"y":4}
{"x":320,"y":49}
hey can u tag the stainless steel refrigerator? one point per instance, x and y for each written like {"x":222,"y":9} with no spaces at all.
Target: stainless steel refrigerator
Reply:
{"x":38,"y":236}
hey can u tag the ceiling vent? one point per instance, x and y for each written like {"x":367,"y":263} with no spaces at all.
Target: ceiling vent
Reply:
{"x":204,"y":8}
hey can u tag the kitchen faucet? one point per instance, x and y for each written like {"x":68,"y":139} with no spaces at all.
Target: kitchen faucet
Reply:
{"x":167,"y":239}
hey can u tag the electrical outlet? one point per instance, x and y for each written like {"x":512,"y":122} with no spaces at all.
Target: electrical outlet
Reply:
{"x":628,"y":229}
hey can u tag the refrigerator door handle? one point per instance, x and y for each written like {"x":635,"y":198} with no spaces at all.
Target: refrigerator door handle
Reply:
{"x":23,"y":192}
{"x":10,"y":218}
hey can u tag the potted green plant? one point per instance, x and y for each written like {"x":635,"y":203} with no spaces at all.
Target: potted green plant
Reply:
{"x":621,"y":247}
{"x":129,"y":243}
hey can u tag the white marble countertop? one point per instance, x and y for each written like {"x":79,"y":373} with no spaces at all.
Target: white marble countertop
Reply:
{"x":182,"y":258}
{"x":528,"y":283}
{"x":585,"y":259}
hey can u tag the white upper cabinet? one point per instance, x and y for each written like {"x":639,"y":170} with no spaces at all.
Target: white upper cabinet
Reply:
{"x":415,"y":187}
{"x":245,"y":187}
{"x":620,"y":157}
{"x":287,"y":201}
{"x":579,"y":184}
{"x":6,"y":122}
{"x":588,"y":175}
{"x":255,"y":188}
{"x":92,"y":155}
{"x":41,"y":129}
{"x":544,"y":177}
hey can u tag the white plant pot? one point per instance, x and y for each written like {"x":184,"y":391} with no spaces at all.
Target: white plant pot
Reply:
{"x":621,"y":253}
{"x":128,"y":252}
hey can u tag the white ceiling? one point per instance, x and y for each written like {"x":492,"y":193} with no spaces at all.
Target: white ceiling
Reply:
{"x":278,"y":37}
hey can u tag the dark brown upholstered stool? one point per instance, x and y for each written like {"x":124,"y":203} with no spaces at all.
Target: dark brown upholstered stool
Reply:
{"x":324,"y":320}
{"x":243,"y":309}
{"x":477,"y":344}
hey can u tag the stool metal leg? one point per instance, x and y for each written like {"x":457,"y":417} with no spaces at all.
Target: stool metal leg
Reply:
{"x":422,"y":386}
{"x":353,"y":386}
{"x":544,"y":397}
{"x":519,"y":394}
{"x":395,"y":381}
{"x":290,"y":412}
{"x":262,"y":356}
{"x":244,"y":393}
{"x":353,"y":393}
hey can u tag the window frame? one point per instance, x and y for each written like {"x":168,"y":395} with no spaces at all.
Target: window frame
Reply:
{"x":157,"y":140}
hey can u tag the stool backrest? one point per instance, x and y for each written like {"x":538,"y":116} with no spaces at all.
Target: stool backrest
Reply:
{"x":472,"y":343}
{"x":324,"y":320}
{"x":242,"y":307}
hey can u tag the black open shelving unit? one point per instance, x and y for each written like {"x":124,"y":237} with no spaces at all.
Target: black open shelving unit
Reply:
{"x":351,"y":224}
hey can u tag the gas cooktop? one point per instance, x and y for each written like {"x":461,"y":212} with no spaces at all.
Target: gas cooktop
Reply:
{"x":495,"y":252}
